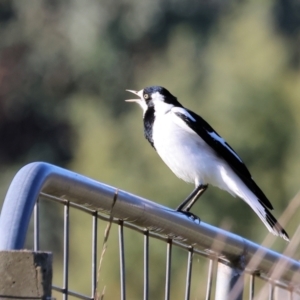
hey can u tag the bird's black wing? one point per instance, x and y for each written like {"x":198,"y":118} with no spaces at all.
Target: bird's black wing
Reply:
{"x":219,"y":145}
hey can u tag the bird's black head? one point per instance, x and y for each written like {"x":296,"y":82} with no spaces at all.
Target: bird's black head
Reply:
{"x":156,"y":97}
{"x":151,"y":92}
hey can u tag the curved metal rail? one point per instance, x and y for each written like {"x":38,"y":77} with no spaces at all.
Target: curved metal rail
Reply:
{"x":39,"y":177}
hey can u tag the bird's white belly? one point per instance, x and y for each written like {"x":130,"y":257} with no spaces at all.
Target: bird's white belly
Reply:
{"x":184,"y":152}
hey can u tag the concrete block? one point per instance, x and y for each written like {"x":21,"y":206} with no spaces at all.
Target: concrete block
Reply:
{"x":25,"y":275}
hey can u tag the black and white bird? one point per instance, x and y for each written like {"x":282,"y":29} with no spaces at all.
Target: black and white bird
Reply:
{"x":196,"y":153}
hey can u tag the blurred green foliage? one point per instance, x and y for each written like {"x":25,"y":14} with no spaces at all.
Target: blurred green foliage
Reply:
{"x":64,"y":68}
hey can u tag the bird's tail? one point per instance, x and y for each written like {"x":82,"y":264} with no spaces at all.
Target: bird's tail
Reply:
{"x":272,"y":224}
{"x":264,"y":214}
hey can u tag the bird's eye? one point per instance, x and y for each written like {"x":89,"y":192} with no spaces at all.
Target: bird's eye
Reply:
{"x":146,"y":96}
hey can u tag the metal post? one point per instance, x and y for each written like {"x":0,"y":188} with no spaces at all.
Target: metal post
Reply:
{"x":94,"y":253}
{"x":146,"y":265}
{"x":227,"y":277}
{"x":251,"y":287}
{"x":122,"y":260}
{"x":271,"y":291}
{"x":189,"y":275}
{"x":168,"y":270}
{"x":211,"y":268}
{"x":36,"y":226}
{"x":66,"y":250}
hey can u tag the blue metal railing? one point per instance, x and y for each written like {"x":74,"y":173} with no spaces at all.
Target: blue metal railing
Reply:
{"x":234,"y":253}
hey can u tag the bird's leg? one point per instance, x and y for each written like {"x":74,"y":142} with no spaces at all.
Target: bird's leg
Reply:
{"x":201,"y":190}
{"x":187,"y":204}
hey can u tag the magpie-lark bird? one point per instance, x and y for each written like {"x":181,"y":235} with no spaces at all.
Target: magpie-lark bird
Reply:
{"x":196,"y":153}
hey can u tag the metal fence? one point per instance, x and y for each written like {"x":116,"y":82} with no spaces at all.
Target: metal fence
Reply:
{"x":231,"y":257}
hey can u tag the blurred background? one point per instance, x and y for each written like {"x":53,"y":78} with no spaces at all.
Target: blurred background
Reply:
{"x":64,"y":68}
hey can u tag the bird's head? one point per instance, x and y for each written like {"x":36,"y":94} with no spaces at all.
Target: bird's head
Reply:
{"x":155,"y":96}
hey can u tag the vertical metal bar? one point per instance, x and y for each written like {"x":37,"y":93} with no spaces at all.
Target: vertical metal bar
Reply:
{"x":94,"y":252}
{"x":36,"y":226}
{"x":227,"y":277}
{"x":66,"y":251}
{"x":168,"y":270}
{"x":291,"y":297}
{"x":189,"y":275}
{"x":251,"y":287}
{"x":271,"y":291}
{"x":146,"y":264}
{"x":209,"y":278}
{"x":122,"y":261}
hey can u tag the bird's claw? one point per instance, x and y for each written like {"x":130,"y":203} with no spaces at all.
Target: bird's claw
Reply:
{"x":190,"y":215}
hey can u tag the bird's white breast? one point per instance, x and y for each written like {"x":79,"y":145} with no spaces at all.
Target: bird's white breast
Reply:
{"x":184,"y":152}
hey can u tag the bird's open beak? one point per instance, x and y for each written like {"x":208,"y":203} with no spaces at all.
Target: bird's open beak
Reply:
{"x":133,"y":100}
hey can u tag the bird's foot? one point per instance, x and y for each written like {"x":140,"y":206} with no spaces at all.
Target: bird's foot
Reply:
{"x":190,"y":215}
